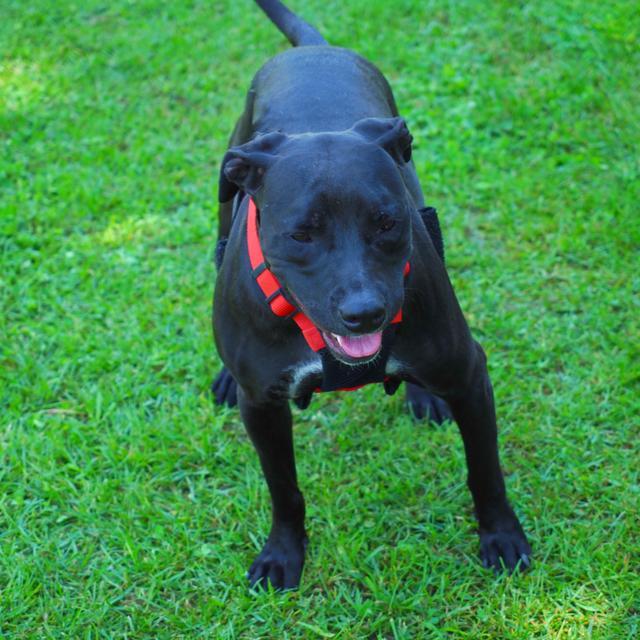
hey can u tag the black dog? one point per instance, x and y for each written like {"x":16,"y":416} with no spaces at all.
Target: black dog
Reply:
{"x":330,"y":278}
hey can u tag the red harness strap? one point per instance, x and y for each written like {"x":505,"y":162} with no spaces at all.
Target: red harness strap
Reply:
{"x":272,"y":289}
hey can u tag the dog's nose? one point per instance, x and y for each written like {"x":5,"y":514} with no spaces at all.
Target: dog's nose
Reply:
{"x":362,"y":315}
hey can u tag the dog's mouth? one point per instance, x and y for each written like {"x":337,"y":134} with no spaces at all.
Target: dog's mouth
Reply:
{"x":349,"y":349}
{"x":354,"y":349}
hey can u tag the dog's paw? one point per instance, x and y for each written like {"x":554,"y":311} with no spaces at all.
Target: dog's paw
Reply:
{"x":505,"y":550}
{"x":279,"y":564}
{"x":424,"y":405}
{"x":225,"y":389}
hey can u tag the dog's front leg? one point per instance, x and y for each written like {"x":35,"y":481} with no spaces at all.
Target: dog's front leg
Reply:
{"x":281,"y":560}
{"x":502,"y":540}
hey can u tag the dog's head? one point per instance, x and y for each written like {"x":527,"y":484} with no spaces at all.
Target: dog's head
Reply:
{"x":334,"y":224}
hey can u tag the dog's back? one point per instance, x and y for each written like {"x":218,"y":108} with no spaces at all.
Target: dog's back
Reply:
{"x":319,"y":88}
{"x":315,"y":86}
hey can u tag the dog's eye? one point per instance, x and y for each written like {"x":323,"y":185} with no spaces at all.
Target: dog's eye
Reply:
{"x":301,"y":236}
{"x":385,"y":223}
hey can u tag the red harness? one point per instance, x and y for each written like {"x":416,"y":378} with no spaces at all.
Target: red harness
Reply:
{"x":273,"y":291}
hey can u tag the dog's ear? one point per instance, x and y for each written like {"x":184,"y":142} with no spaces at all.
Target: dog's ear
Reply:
{"x":391,"y":134}
{"x":243,"y":167}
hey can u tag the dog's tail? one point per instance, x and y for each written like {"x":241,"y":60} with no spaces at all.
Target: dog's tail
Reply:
{"x":298,"y":32}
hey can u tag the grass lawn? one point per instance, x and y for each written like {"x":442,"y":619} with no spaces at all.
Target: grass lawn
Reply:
{"x":131,"y":507}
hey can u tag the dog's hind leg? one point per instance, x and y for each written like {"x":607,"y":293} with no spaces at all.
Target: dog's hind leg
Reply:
{"x":424,"y":405}
{"x":225,"y":389}
{"x":281,"y":560}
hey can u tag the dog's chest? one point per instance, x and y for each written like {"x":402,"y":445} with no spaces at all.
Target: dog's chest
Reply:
{"x":305,"y":376}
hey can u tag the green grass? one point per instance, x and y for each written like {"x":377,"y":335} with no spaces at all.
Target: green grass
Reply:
{"x":130,"y":507}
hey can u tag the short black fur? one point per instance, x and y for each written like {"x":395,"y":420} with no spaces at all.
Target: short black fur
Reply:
{"x":321,"y":147}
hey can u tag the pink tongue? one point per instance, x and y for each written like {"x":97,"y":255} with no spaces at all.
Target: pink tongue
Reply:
{"x":360,"y":346}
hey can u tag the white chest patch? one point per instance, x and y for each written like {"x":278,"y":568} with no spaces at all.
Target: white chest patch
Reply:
{"x":302,"y":373}
{"x":394,"y":367}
